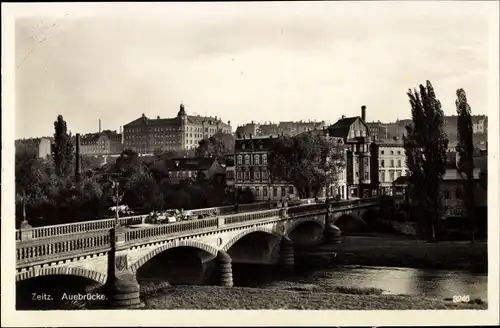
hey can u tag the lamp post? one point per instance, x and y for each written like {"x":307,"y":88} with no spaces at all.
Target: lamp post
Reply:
{"x":117,"y":198}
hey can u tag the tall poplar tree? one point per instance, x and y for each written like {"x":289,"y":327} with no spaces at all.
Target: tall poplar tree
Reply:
{"x":465,"y":150}
{"x":425,"y":145}
{"x":63,"y":150}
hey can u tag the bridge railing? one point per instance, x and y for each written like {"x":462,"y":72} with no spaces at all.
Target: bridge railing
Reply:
{"x":72,"y":228}
{"x":51,"y":249}
{"x":81,"y":243}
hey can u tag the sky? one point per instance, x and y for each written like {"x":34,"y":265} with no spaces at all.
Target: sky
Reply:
{"x":246,"y":62}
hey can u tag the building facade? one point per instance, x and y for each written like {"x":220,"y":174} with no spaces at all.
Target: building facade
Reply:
{"x":250,"y":156}
{"x":145,"y":135}
{"x":389,"y":163}
{"x":355,"y":133}
{"x":106,"y":142}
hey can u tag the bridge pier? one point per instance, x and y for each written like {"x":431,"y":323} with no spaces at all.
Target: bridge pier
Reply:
{"x":121,"y":289}
{"x":332,"y":233}
{"x":225,"y":269}
{"x":287,"y":256}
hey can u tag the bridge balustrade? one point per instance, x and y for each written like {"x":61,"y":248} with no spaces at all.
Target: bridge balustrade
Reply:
{"x":79,"y":227}
{"x":171,"y":228}
{"x":45,"y":250}
{"x":245,"y":217}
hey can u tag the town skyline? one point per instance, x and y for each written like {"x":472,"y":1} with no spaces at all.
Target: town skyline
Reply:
{"x":221,"y":61}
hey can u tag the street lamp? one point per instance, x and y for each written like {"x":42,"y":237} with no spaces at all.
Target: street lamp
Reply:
{"x":117,"y":198}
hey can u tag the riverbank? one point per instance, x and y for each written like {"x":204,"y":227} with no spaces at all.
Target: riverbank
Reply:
{"x":292,"y":298}
{"x":408,"y":252}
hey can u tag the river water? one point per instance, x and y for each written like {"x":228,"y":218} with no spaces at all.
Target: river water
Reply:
{"x":438,"y":284}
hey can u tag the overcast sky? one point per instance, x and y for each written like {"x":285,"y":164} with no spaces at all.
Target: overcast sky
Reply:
{"x":247,"y":61}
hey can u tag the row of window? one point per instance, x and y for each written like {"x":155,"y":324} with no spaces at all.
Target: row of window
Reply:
{"x":257,"y":175}
{"x":256,"y":159}
{"x":398,"y":162}
{"x":382,"y":152}
{"x":265,"y":190}
{"x":393,"y":175}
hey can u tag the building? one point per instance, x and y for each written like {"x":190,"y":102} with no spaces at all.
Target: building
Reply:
{"x":193,"y":168}
{"x":42,"y":147}
{"x":282,"y":128}
{"x":230,"y":169}
{"x":355,"y":133}
{"x":103,"y":143}
{"x":145,"y":135}
{"x":378,"y":130}
{"x":388,"y":163}
{"x":251,"y":170}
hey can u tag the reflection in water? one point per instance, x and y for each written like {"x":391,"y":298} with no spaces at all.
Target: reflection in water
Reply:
{"x":431,"y":283}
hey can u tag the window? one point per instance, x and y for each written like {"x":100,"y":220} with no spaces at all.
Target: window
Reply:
{"x":257,"y":175}
{"x":257,"y":160}
{"x":257,"y":191}
{"x":392,"y":163}
{"x":381,"y":152}
{"x":391,"y":176}
{"x":245,"y":176}
{"x":290,"y":190}
{"x":392,"y":152}
{"x":264,"y":192}
{"x":283,"y":191}
{"x":382,"y":163}
{"x":247,"y":159}
{"x":264,"y":159}
{"x":399,"y":163}
{"x":367,"y":176}
{"x":398,"y":174}
{"x":399,"y":152}
{"x":264,"y":175}
{"x":275,"y":192}
{"x":239,"y":160}
{"x":382,"y":176}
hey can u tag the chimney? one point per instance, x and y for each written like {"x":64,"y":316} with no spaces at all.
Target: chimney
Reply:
{"x":77,"y":159}
{"x":343,"y":116}
{"x":99,"y":125}
{"x":363,"y":113}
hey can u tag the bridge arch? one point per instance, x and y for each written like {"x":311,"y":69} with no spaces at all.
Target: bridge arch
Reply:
{"x":349,"y":222}
{"x":65,"y":271}
{"x":248,"y":231}
{"x":319,"y":220}
{"x":181,"y":243}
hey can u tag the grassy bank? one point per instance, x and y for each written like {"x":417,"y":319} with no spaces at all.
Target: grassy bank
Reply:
{"x":238,"y":298}
{"x":408,"y":252}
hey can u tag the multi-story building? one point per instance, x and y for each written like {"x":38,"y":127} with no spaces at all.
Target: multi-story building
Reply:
{"x":388,"y":163}
{"x":106,"y":142}
{"x":145,"y":135}
{"x":251,"y":170}
{"x":378,"y":130}
{"x":230,"y":169}
{"x":282,"y":128}
{"x":355,"y":135}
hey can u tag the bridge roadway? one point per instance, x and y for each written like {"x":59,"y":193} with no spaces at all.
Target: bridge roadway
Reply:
{"x":112,"y":255}
{"x":106,"y":224}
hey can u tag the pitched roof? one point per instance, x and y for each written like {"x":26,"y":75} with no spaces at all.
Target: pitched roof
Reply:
{"x":259,"y":143}
{"x":341,"y":127}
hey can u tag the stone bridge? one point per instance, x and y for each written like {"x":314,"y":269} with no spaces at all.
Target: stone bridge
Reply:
{"x":113,"y":256}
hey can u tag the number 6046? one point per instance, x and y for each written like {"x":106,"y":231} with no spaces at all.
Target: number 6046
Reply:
{"x":461,"y":298}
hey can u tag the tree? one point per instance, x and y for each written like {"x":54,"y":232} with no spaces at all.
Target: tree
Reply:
{"x":216,"y":146}
{"x":465,"y":150}
{"x":425,"y":145}
{"x":143,"y":194}
{"x":63,"y":152}
{"x":309,"y":162}
{"x":128,"y":164}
